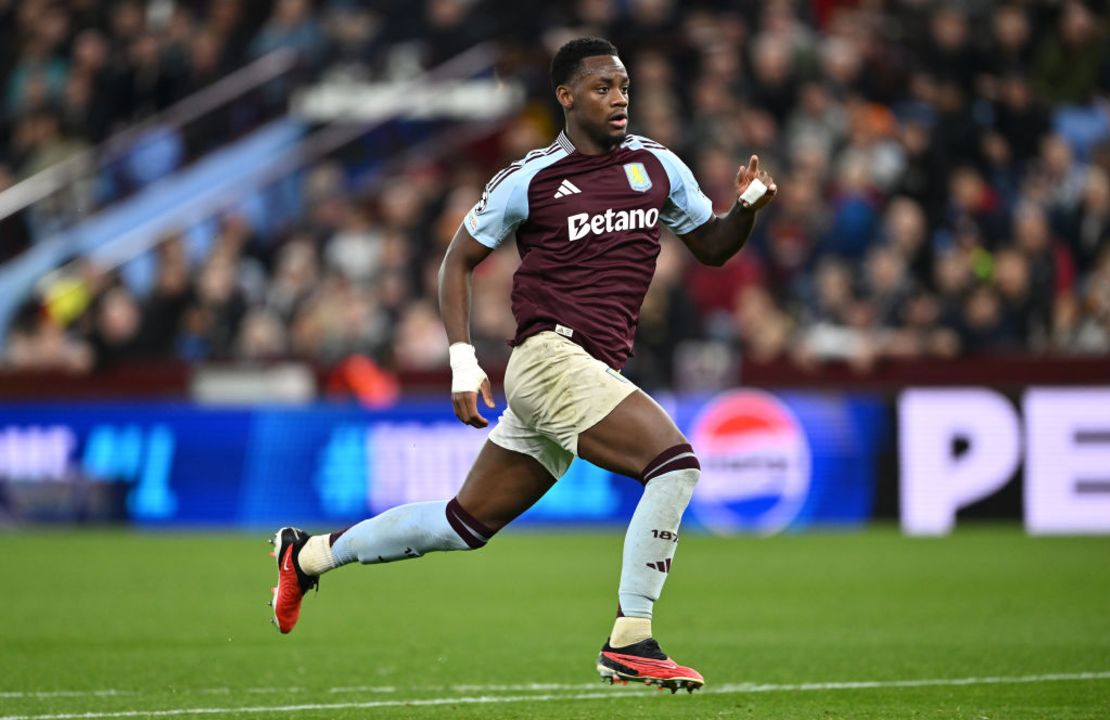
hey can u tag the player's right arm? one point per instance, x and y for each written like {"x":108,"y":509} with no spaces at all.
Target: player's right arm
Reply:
{"x":467,"y":378}
{"x":501,"y":209}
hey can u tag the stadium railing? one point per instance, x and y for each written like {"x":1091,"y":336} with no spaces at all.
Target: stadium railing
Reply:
{"x":87,"y":165}
{"x":328,"y":128}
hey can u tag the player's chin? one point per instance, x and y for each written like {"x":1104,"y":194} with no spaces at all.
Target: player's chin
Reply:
{"x":616,"y":135}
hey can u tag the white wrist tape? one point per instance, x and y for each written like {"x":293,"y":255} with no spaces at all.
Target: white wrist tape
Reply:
{"x":756,"y":190}
{"x":466,"y":376}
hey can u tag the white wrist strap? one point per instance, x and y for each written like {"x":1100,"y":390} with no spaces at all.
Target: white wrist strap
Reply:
{"x":756,"y":190}
{"x":466,"y":376}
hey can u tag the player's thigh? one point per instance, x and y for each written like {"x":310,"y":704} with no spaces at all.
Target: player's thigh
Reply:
{"x":631,"y":436}
{"x":502,"y":484}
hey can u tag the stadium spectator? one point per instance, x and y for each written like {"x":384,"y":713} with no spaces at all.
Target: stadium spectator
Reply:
{"x":1088,"y":228}
{"x":211,"y":321}
{"x":38,"y":342}
{"x":164,"y":306}
{"x":762,"y":330}
{"x":291,"y":25}
{"x":261,"y":337}
{"x":1093,"y":331}
{"x":1071,"y":59}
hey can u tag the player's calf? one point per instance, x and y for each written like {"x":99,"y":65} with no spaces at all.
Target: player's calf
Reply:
{"x":652,"y":537}
{"x":409,"y":531}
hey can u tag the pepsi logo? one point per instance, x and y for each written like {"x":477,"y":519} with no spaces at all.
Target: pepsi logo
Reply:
{"x":755,"y":460}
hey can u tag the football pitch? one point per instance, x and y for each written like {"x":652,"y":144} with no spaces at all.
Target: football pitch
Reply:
{"x":987,"y":623}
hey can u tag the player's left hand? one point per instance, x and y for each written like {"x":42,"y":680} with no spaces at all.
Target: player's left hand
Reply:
{"x":744,"y":180}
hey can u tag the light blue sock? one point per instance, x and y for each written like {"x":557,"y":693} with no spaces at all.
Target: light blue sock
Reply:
{"x":400,"y":533}
{"x":652,"y":539}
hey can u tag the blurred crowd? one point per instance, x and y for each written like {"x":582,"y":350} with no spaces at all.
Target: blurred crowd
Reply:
{"x":944,"y":175}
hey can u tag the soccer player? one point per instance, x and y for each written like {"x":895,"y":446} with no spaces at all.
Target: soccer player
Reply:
{"x":586,"y":212}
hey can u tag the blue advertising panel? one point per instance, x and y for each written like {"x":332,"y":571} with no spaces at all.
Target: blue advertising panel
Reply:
{"x":770,"y":463}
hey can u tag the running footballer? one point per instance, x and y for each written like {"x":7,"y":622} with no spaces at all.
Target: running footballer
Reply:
{"x":586,"y":213}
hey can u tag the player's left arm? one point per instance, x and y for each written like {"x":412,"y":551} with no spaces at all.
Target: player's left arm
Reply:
{"x":722,"y":236}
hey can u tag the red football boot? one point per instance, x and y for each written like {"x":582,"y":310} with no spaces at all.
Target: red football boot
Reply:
{"x":645,"y":662}
{"x":292,"y":583}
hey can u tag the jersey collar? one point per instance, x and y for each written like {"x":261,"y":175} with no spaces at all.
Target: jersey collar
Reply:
{"x":564,"y":142}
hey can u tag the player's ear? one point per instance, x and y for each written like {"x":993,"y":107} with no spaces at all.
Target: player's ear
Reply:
{"x":565,"y":97}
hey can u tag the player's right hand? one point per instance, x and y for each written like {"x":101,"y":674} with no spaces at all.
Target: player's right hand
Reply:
{"x":467,"y":381}
{"x":466,"y":405}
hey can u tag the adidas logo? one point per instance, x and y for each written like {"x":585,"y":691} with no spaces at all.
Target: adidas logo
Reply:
{"x":566,"y":188}
{"x":663,"y":566}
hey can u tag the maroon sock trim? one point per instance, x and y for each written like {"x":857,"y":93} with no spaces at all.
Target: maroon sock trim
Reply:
{"x":472,"y":522}
{"x":335,"y":535}
{"x":462,"y":531}
{"x":473,"y":532}
{"x":686,"y":463}
{"x":665,"y":462}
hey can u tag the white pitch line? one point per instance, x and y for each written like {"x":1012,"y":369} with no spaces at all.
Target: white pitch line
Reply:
{"x":67,"y":693}
{"x":930,"y":682}
{"x":293,"y":689}
{"x":479,"y":700}
{"x":519,"y":687}
{"x":362,"y":689}
{"x":732,"y":689}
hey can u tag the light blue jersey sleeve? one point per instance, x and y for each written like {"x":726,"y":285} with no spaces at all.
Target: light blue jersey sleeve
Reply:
{"x":503,"y":206}
{"x":687,"y":207}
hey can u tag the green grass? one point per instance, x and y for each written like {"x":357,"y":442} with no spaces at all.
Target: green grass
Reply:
{"x":173,"y":622}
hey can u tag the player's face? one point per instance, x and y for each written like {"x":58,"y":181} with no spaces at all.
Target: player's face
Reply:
{"x":601,"y":99}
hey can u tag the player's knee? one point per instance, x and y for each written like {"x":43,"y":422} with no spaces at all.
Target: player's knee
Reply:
{"x":678,"y":463}
{"x":473,"y":533}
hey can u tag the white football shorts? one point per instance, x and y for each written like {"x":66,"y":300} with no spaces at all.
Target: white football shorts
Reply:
{"x":555,"y":391}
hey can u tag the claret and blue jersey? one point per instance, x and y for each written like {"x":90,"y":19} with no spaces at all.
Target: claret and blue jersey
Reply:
{"x":587,"y":229}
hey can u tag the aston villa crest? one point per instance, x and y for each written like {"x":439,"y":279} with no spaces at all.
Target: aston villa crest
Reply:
{"x":638,"y":178}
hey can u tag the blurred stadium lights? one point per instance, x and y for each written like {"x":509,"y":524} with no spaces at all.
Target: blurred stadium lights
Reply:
{"x":285,"y":383}
{"x":369,"y":102}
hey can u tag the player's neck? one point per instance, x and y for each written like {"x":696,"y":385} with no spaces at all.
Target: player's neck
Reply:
{"x":585,"y":144}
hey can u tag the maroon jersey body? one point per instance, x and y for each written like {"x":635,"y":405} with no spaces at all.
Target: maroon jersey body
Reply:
{"x":587,"y":229}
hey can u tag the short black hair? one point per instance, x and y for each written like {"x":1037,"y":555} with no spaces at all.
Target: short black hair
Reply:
{"x":568,"y":59}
